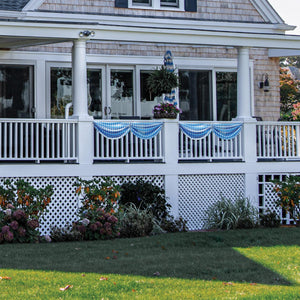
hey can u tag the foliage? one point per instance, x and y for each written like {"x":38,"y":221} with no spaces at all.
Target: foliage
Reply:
{"x":24,"y":196}
{"x":146,"y":195}
{"x":96,"y":194}
{"x":21,"y":207}
{"x":270,"y":219}
{"x":161,"y":81}
{"x":135,"y":222}
{"x":64,"y":234}
{"x":288,"y":192}
{"x":166,"y":110}
{"x":228,"y":214}
{"x":170,"y":224}
{"x":296,"y":112}
{"x":289,"y":94}
{"x":290,"y":61}
{"x":99,"y":206}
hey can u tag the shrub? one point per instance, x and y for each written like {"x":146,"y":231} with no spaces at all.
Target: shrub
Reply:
{"x":99,"y":207}
{"x":288,"y":192}
{"x":228,"y":214}
{"x":135,"y":222}
{"x":21,"y":207}
{"x":270,"y":219}
{"x":65,"y":234}
{"x":146,"y":195}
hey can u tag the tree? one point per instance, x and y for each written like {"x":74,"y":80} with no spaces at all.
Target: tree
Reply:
{"x":289,"y":94}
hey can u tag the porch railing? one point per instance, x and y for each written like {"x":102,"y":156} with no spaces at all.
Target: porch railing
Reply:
{"x":278,"y":140}
{"x":37,"y":140}
{"x":128,"y":147}
{"x":210,"y":146}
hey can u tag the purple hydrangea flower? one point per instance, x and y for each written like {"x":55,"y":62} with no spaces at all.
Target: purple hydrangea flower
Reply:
{"x":14,"y":225}
{"x":9,"y":236}
{"x":33,"y":224}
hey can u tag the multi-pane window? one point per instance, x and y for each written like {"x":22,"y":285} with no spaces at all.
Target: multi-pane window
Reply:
{"x":156,"y":4}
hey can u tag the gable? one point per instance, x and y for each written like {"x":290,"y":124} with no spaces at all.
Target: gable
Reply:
{"x":213,"y":10}
{"x":15,"y":5}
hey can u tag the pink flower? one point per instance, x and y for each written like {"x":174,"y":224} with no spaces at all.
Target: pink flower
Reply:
{"x":14,"y":225}
{"x":9,"y":236}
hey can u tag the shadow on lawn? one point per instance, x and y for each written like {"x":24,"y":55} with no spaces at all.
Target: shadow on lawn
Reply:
{"x":201,"y":256}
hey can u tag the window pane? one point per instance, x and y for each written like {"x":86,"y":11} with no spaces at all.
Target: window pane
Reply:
{"x":195,"y":95}
{"x":16,"y":91}
{"x":121,"y":83}
{"x":147,"y":100}
{"x":169,"y":3}
{"x":226,"y":95}
{"x":61,"y":91}
{"x":141,"y":2}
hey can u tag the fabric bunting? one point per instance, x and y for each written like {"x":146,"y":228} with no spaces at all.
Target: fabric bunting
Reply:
{"x":116,"y":130}
{"x":227,"y":131}
{"x":196,"y":131}
{"x":199,"y":131}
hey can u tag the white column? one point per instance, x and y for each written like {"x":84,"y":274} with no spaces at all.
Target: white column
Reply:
{"x":79,"y":80}
{"x":243,"y":85}
{"x":85,"y":130}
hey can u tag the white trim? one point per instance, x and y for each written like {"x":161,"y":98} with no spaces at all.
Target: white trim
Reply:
{"x":11,"y":14}
{"x":266,"y":10}
{"x":33,"y":4}
{"x":155,"y":4}
{"x":159,"y":22}
{"x":283,"y":52}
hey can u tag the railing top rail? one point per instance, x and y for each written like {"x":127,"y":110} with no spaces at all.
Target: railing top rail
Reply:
{"x":128,"y":121}
{"x":8,"y":120}
{"x":210,"y":122}
{"x":284,"y":123}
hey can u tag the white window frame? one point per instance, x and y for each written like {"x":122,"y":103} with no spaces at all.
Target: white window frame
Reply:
{"x":156,"y":4}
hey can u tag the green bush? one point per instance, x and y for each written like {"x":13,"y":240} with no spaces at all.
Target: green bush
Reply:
{"x":270,"y":219}
{"x":135,"y":222}
{"x":228,"y":214}
{"x":98,"y":211}
{"x":65,"y":234}
{"x":21,"y":208}
{"x":146,"y":195}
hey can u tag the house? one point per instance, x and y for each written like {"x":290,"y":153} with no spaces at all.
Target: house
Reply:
{"x":99,"y":54}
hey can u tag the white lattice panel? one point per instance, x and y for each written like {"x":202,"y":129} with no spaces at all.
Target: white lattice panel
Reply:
{"x":198,"y":192}
{"x":64,"y":203}
{"x":63,"y":206}
{"x":157,"y":180}
{"x":267,"y":197}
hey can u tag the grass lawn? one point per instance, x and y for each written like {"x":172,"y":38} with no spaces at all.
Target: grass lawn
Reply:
{"x":241,"y":264}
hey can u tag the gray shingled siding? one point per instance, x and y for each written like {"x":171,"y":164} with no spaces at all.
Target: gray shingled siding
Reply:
{"x":15,"y":5}
{"x":222,"y":10}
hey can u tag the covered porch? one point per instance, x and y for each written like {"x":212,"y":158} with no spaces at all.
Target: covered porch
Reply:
{"x":182,"y":154}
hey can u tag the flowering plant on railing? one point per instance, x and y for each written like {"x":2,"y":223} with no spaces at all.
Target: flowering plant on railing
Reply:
{"x":166,"y":110}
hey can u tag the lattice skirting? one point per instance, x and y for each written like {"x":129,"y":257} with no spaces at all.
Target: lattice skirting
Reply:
{"x":64,"y":202}
{"x":267,"y":197}
{"x":198,"y":192}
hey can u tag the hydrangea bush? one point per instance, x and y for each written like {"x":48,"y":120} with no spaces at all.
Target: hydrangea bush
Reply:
{"x":99,"y":207}
{"x":21,"y":207}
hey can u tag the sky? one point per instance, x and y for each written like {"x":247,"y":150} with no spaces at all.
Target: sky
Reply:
{"x":289,"y":11}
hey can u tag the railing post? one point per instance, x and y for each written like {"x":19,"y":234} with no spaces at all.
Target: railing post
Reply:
{"x":171,"y":160}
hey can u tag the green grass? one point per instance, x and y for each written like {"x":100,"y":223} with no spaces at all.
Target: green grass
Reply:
{"x":241,"y":264}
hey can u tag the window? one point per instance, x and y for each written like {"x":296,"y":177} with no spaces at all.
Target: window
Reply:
{"x":157,"y":4}
{"x":61,"y":91}
{"x":16,"y":91}
{"x":121,"y":89}
{"x":226,"y":83}
{"x":147,"y":100}
{"x":195,"y":98}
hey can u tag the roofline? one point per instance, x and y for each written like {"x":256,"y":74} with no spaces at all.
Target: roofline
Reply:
{"x":33,"y":5}
{"x":267,"y":11}
{"x":47,"y":32}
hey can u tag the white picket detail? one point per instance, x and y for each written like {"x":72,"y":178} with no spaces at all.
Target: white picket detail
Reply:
{"x":37,"y":140}
{"x":278,"y":140}
{"x":128,"y":148}
{"x":210,"y":147}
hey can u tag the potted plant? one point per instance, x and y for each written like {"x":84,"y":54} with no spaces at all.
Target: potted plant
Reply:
{"x":161,"y":81}
{"x":166,"y":110}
